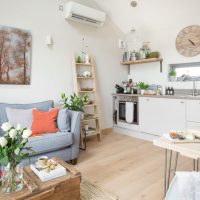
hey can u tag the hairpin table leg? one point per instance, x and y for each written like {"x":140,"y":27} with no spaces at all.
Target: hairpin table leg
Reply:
{"x":165,"y":173}
{"x":169,"y":168}
{"x":194,"y":165}
{"x":175,"y":162}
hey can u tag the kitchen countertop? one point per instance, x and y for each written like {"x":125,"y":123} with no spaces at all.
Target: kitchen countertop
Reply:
{"x":190,"y":97}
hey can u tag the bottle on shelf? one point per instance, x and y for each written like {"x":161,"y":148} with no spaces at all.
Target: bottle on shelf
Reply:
{"x":168,"y":91}
{"x":172,"y":91}
{"x":142,"y":53}
{"x":147,"y":49}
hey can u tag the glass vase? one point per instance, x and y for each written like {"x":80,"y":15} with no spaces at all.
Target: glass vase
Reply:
{"x":12,"y":178}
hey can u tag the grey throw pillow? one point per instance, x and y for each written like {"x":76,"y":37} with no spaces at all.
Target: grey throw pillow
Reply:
{"x":19,"y":116}
{"x":63,"y":120}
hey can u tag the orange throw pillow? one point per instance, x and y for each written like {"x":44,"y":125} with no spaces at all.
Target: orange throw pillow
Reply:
{"x":44,"y":122}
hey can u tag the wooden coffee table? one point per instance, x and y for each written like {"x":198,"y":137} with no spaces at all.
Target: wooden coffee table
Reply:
{"x":63,"y":188}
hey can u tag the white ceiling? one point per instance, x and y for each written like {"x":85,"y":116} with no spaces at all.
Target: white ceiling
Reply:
{"x":150,"y":14}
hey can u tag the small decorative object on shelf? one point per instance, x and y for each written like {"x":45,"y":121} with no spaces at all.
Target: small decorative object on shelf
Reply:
{"x":154,"y":54}
{"x":87,"y":74}
{"x":12,"y":150}
{"x":89,"y":102}
{"x":78,"y":59}
{"x":87,"y":89}
{"x":88,"y":116}
{"x":90,"y":131}
{"x":147,"y":50}
{"x":86,"y":127}
{"x":84,"y":52}
{"x":142,"y":53}
{"x":87,"y":59}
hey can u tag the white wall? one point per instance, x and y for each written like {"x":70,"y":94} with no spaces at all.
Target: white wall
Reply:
{"x":159,"y":21}
{"x":51,"y":68}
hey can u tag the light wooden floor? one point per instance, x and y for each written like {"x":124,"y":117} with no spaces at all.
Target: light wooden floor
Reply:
{"x":130,"y":168}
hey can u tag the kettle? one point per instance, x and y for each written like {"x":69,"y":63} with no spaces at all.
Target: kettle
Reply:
{"x":119,"y":89}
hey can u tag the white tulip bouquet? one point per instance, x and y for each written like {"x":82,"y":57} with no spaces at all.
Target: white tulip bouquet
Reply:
{"x":12,"y":144}
{"x":12,"y":150}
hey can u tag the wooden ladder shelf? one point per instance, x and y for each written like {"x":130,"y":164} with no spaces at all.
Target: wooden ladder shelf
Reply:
{"x":87,"y":85}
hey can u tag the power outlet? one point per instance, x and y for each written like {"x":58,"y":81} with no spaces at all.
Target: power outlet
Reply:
{"x":122,"y":44}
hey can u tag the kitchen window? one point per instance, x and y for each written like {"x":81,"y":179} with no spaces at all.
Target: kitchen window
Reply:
{"x":186,"y":71}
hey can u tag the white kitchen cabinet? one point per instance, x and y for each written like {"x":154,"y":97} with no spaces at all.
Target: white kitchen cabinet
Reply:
{"x":193,"y":125}
{"x":193,"y":111}
{"x":160,"y":115}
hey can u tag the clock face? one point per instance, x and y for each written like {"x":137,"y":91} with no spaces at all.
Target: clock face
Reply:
{"x":188,"y":41}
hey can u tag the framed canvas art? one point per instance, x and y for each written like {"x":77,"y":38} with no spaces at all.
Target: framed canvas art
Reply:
{"x":15,"y":56}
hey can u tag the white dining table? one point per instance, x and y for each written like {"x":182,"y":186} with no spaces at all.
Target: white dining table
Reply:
{"x":190,"y":150}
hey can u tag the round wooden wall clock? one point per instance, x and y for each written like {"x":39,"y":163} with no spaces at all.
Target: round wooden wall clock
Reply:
{"x":188,"y":41}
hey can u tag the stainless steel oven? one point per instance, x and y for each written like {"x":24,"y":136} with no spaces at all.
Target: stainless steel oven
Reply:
{"x":122,"y":111}
{"x":128,"y":110}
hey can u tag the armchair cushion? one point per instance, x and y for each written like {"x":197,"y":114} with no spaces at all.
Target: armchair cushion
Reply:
{"x":63,"y":120}
{"x":44,"y":122}
{"x":19,"y":116}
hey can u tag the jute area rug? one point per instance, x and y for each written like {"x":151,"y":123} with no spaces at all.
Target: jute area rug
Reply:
{"x":91,"y":191}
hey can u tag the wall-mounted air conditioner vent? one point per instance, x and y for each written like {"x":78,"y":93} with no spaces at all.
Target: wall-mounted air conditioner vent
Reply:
{"x":84,"y":14}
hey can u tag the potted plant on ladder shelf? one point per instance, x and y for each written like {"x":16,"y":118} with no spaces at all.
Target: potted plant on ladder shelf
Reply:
{"x":74,"y":102}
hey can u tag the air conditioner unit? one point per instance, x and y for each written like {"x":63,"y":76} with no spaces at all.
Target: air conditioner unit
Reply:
{"x":81,"y":13}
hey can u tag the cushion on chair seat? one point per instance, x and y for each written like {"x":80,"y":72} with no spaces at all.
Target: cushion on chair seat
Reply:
{"x":50,"y":142}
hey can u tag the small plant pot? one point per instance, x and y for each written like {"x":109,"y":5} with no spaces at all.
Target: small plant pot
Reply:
{"x":172,"y":78}
{"x":142,"y":92}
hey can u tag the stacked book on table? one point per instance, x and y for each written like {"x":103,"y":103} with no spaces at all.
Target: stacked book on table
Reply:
{"x":46,"y":174}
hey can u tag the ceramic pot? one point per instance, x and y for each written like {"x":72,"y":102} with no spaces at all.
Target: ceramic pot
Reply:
{"x":172,"y":78}
{"x":142,"y":92}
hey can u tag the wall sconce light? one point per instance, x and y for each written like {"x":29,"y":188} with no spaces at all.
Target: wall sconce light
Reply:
{"x":49,"y":40}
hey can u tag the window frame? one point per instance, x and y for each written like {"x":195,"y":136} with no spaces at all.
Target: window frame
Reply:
{"x":185,"y":65}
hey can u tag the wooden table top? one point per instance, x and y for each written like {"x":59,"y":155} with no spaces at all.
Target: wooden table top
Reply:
{"x":34,"y":185}
{"x":191,"y":150}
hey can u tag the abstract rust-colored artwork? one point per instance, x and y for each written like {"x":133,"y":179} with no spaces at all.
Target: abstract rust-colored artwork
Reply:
{"x":15,"y":56}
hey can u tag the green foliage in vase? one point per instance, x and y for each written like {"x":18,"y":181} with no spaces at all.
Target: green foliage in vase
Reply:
{"x":73,"y":102}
